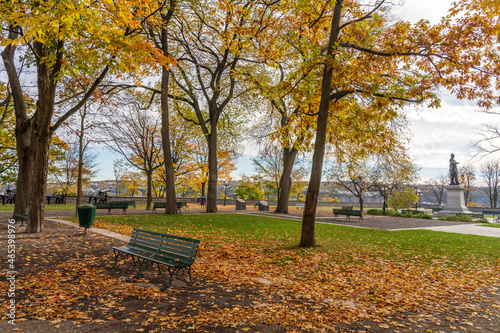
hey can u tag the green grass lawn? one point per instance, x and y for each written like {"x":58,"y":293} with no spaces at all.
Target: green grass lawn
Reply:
{"x":493,"y":225}
{"x":419,"y":246}
{"x":7,"y":208}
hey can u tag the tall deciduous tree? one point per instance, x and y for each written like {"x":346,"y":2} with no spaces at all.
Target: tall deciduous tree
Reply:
{"x":158,"y":26}
{"x":491,"y":176}
{"x":467,"y":178}
{"x":135,"y":135}
{"x":269,"y":165}
{"x":437,"y":187}
{"x":64,"y":39}
{"x":376,"y":66}
{"x":69,"y":169}
{"x":211,"y":39}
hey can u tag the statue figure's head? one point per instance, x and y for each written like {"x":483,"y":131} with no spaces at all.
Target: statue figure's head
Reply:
{"x":452,"y":155}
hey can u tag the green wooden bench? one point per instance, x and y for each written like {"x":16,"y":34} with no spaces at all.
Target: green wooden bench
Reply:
{"x":129,"y":202}
{"x":300,"y":205}
{"x":112,"y":205}
{"x":159,"y":205}
{"x":348,"y":212}
{"x":148,"y":248}
{"x":164,"y":205}
{"x":22,"y":217}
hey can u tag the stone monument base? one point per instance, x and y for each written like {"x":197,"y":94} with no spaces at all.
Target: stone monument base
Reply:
{"x":455,"y":203}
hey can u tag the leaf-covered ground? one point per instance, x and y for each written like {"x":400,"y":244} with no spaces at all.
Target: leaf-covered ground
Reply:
{"x":247,"y":284}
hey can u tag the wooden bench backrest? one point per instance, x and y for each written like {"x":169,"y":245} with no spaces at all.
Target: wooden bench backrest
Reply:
{"x":169,"y":247}
{"x":102,"y":205}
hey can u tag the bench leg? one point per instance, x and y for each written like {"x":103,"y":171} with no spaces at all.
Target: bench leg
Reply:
{"x":180,"y":273}
{"x":120,"y":255}
{"x":143,"y":262}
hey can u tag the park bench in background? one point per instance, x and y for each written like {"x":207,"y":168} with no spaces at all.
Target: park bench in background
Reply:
{"x":159,"y":205}
{"x":148,"y":248}
{"x":348,"y":212}
{"x":128,"y":202}
{"x":180,"y":204}
{"x":57,"y":199}
{"x":22,"y":217}
{"x":300,"y":205}
{"x":112,"y":205}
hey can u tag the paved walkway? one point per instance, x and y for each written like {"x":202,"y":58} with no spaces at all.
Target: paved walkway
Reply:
{"x":103,"y":232}
{"x":469,"y":229}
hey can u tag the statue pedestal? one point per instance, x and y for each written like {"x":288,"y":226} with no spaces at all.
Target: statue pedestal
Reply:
{"x":455,"y":199}
{"x":455,"y":203}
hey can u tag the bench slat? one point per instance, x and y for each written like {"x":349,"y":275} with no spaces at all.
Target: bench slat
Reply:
{"x":161,"y":260}
{"x":173,"y":262}
{"x":155,"y":246}
{"x":155,"y":239}
{"x":166,"y":254}
{"x":191,"y":240}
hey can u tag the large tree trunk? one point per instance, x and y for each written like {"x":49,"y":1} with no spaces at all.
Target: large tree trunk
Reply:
{"x":23,"y":128}
{"x":41,"y":135}
{"x":308,"y":220}
{"x":285,"y":185}
{"x":212,"y":170}
{"x":40,"y":143}
{"x":171,"y":204}
{"x":25,"y":171}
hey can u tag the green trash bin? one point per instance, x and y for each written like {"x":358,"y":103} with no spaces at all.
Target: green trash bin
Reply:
{"x":86,"y":216}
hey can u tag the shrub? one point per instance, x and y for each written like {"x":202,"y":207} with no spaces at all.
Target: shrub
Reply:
{"x":390,"y":212}
{"x":403,"y":199}
{"x":374,"y":211}
{"x":423,"y":216}
{"x":463,"y":218}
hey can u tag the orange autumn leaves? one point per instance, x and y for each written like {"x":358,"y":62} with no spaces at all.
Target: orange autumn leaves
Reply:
{"x":311,"y":289}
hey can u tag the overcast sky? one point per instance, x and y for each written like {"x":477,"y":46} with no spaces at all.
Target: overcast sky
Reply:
{"x":450,"y":129}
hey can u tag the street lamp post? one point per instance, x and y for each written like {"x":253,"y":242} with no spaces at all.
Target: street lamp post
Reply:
{"x":385,"y":196}
{"x":419,"y":193}
{"x":225,"y":193}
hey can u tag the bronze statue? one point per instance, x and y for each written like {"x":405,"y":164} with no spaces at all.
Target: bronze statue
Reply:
{"x":453,"y":171}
